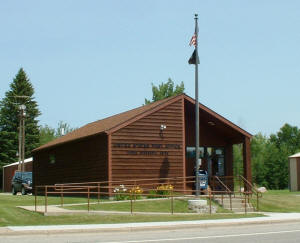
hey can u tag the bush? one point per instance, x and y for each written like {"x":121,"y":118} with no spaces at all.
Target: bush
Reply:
{"x":136,"y":191}
{"x":121,"y":193}
{"x":164,"y":190}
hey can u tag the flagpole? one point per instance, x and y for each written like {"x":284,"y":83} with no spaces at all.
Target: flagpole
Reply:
{"x":197,"y":109}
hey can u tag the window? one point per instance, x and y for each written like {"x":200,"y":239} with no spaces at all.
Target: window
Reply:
{"x":52,"y":159}
{"x":191,"y":152}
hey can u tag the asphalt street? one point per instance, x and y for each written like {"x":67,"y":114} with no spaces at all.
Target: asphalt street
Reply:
{"x":275,"y":232}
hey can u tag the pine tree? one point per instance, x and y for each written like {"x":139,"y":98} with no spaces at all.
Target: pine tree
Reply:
{"x":9,"y":119}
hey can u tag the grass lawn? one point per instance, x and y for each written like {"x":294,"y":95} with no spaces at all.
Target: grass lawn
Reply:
{"x":11,"y":215}
{"x":179,"y":205}
{"x":282,"y":201}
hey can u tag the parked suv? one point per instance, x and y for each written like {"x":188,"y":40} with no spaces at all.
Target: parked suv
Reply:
{"x":21,"y":182}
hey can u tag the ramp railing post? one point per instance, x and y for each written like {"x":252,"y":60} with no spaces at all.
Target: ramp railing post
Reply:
{"x":98,"y":192}
{"x":172,"y":202}
{"x":230,"y":201}
{"x":209,"y":202}
{"x":46,"y":198}
{"x":88,"y":198}
{"x":131,"y":208}
{"x":62,"y":195}
{"x":245,"y":203}
{"x":35,"y":199}
{"x":257,"y":202}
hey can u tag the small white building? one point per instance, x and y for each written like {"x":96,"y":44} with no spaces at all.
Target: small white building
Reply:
{"x":294,"y":172}
{"x":9,"y":171}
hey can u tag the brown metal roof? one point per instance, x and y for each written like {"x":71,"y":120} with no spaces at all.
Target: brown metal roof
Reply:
{"x":107,"y":124}
{"x":114,"y":123}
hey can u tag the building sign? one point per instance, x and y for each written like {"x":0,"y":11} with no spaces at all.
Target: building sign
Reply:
{"x":160,"y":149}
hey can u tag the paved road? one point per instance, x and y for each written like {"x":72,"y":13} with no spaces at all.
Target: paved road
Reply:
{"x":279,"y":232}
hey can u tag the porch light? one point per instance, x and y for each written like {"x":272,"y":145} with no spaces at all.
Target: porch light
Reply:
{"x":163,"y":127}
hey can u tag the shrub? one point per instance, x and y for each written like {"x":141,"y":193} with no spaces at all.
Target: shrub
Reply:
{"x":121,"y":193}
{"x":136,"y":191}
{"x":164,"y":190}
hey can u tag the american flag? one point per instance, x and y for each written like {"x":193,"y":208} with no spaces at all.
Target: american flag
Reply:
{"x":193,"y":40}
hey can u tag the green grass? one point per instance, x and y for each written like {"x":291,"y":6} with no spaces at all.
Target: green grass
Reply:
{"x":282,"y":201}
{"x":10,"y":215}
{"x":179,"y":206}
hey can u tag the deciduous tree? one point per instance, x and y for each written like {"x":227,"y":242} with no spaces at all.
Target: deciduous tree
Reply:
{"x":165,"y":90}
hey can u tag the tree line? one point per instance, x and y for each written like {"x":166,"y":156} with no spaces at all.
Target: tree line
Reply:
{"x":269,"y":157}
{"x":269,"y":154}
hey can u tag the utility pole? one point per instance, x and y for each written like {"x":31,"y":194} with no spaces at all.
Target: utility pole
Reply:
{"x":22,"y":115}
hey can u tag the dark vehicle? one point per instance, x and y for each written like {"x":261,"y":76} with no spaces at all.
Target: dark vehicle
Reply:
{"x":21,"y":182}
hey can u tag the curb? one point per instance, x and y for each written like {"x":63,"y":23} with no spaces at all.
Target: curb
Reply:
{"x":279,"y":218}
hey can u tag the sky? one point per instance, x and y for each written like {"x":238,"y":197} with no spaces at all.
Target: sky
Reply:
{"x":88,"y":60}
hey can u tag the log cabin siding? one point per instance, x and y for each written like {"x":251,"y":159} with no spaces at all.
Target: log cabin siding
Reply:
{"x":141,"y":151}
{"x":79,"y":161}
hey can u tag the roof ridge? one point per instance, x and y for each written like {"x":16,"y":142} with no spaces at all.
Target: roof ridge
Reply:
{"x":106,"y":124}
{"x":161,"y":102}
{"x":129,"y":110}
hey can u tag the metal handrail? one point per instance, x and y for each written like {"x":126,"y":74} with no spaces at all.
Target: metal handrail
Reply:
{"x":221,"y":182}
{"x":252,"y":188}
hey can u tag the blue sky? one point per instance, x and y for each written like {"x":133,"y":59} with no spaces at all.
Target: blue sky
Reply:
{"x":91,"y":59}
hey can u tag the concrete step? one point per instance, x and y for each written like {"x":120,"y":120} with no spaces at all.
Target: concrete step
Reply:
{"x":228,"y":201}
{"x":234,"y":205}
{"x":237,"y":204}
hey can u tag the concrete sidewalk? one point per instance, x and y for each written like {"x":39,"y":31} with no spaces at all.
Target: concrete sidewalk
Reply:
{"x":268,"y":218}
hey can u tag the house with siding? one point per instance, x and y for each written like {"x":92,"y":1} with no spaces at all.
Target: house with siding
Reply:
{"x":152,"y":141}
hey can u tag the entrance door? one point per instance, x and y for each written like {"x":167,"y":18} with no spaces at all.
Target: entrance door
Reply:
{"x":213,"y":161}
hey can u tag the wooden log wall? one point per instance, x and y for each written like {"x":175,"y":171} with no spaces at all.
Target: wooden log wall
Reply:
{"x":141,"y":150}
{"x":79,"y":161}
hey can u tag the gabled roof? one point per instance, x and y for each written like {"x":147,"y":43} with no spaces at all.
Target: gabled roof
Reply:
{"x":16,"y":163}
{"x":108,"y":124}
{"x":297,"y":155}
{"x":116,"y":122}
{"x":219,"y":117}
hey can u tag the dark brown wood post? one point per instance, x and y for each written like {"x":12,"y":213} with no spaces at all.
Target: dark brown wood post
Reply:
{"x":109,"y":165}
{"x":247,"y":162}
{"x":183,"y":147}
